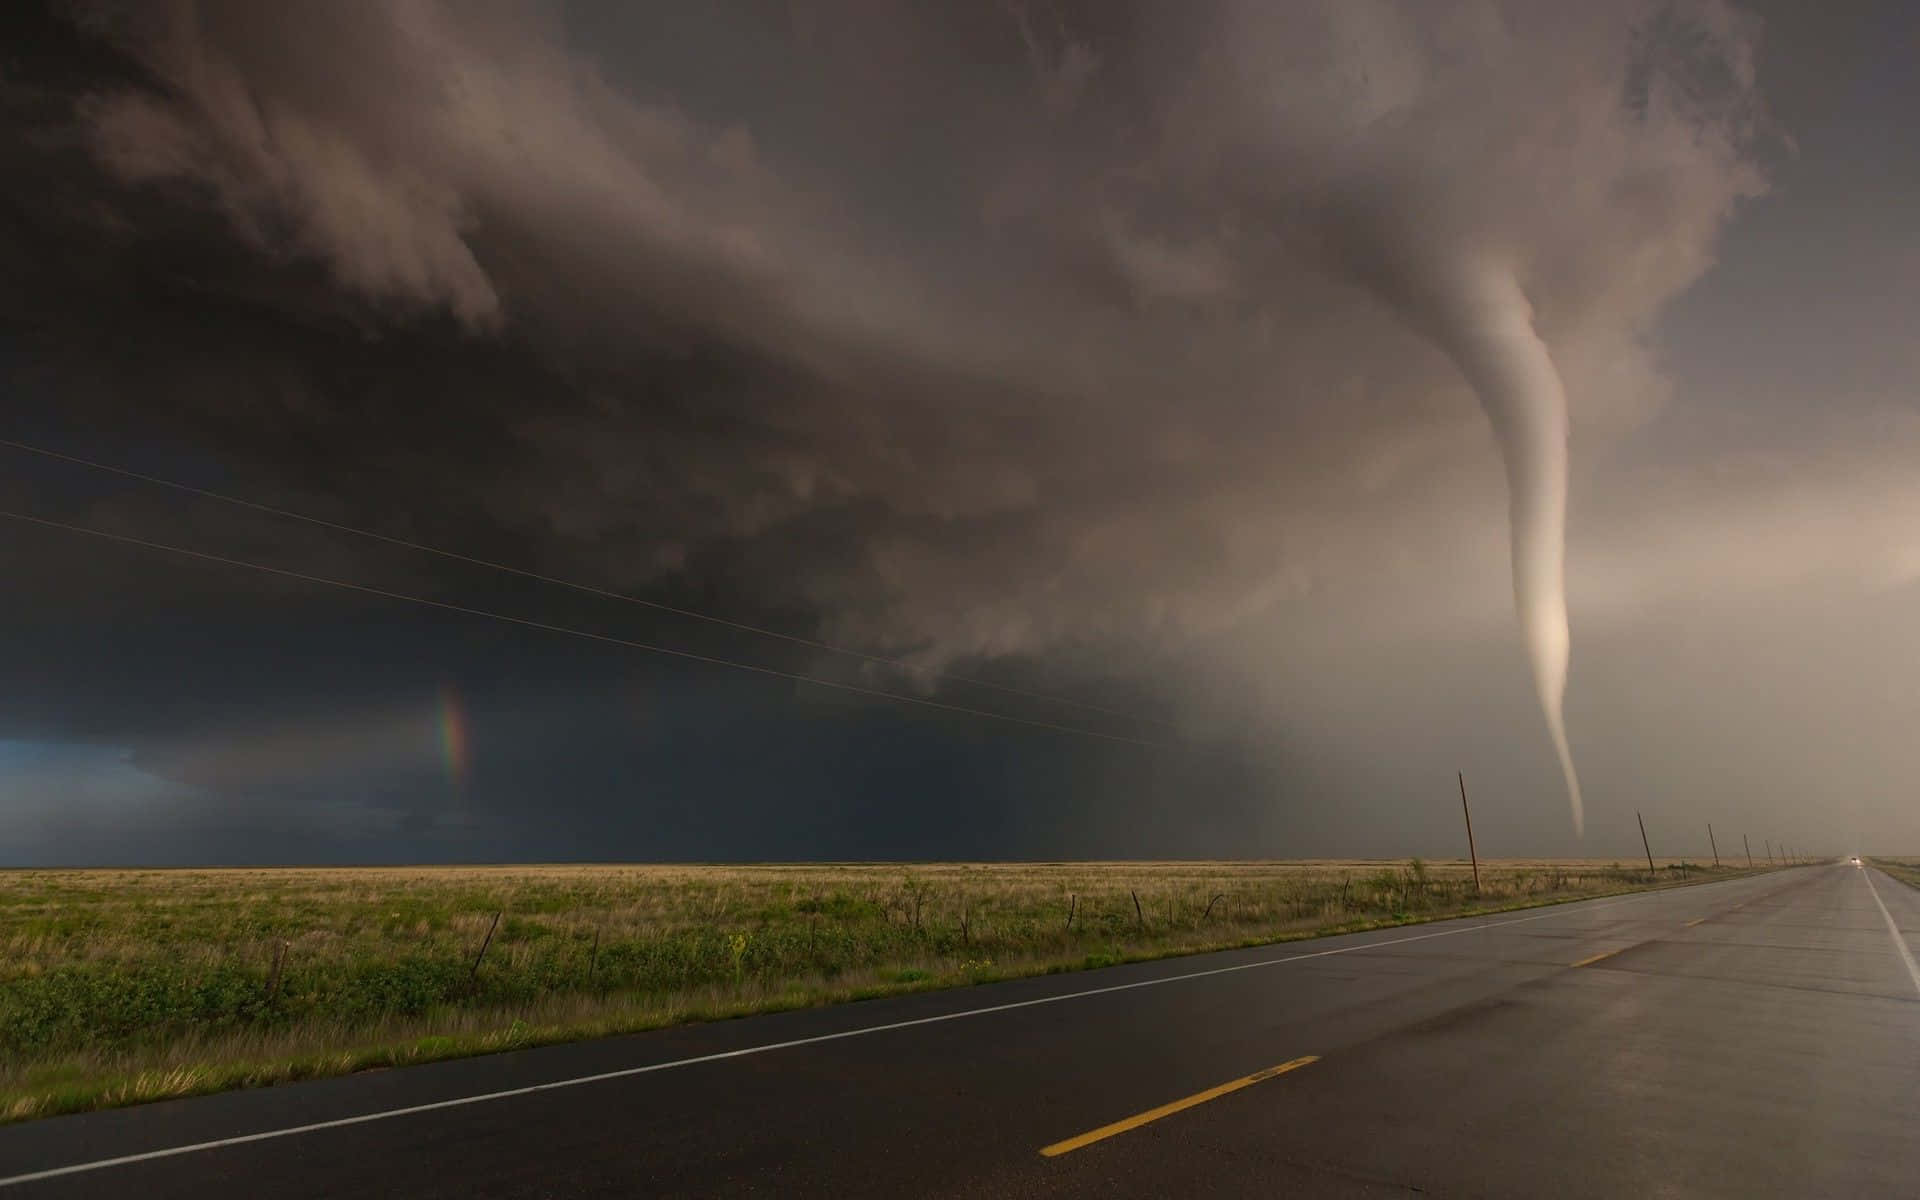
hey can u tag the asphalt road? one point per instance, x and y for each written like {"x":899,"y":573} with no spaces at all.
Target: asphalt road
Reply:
{"x":1757,"y":1037}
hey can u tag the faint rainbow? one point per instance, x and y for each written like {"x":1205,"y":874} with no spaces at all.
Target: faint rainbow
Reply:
{"x":455,"y":748}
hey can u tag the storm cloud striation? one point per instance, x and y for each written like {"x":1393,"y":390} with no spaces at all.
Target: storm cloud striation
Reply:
{"x":1140,"y":352}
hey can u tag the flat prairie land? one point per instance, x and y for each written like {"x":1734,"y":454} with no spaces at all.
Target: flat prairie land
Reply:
{"x":1906,"y":870}
{"x":120,"y":986}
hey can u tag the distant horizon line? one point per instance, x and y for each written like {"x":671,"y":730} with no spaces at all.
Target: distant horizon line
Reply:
{"x":856,"y":862}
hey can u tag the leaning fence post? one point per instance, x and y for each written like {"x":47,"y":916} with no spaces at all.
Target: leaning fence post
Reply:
{"x":273,"y":980}
{"x":474,"y":973}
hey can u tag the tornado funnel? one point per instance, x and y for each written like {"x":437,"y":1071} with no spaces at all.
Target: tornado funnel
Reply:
{"x":1477,"y":313}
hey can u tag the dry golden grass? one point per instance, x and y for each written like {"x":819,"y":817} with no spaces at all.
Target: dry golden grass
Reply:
{"x":123,"y":986}
{"x":1906,"y":870}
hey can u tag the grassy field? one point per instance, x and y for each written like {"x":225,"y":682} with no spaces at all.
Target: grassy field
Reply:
{"x":1906,"y":870}
{"x":123,"y":986}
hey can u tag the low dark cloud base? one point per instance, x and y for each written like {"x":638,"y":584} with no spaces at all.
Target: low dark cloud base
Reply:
{"x":1031,"y":343}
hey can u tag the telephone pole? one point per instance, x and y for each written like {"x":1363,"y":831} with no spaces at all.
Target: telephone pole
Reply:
{"x":1644,"y":845}
{"x":1472,"y":854}
{"x":1715,"y":845}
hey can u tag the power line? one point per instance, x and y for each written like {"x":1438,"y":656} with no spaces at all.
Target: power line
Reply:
{"x":580,"y":633}
{"x":586,"y":588}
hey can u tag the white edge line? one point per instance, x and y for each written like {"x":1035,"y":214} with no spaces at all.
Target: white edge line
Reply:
{"x":1900,"y":943}
{"x":626,"y":1072}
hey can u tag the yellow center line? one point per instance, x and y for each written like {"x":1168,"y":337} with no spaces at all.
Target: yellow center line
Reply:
{"x":1167,"y":1110}
{"x":1594,"y":958}
{"x":1695,"y":921}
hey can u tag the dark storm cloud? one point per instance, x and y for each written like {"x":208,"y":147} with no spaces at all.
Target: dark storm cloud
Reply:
{"x":1068,"y":334}
{"x":1071,"y":357}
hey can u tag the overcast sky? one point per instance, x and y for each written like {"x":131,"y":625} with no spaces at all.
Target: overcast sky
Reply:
{"x":1071,"y":348}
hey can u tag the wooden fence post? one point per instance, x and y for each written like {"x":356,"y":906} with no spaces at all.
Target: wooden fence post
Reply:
{"x":485,"y":942}
{"x":273,"y":980}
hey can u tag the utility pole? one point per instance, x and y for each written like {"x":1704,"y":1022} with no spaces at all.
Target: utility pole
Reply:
{"x":1749,"y":846}
{"x":1472,"y":854}
{"x":1644,"y":846}
{"x":1769,"y":850}
{"x":1715,"y":845}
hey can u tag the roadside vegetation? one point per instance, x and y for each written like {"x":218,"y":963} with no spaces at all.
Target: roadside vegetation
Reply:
{"x":1906,"y":870}
{"x":123,"y":986}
